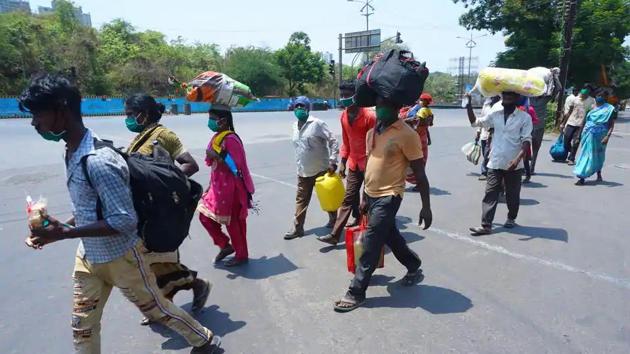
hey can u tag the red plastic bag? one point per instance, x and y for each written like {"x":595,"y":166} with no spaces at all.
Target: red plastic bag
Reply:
{"x":354,"y":246}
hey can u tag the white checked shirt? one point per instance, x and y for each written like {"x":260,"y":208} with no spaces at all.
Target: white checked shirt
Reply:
{"x":315,"y":147}
{"x":508,"y":137}
{"x":109,"y":175}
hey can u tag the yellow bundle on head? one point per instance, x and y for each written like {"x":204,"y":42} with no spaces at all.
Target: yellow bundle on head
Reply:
{"x":531,"y":83}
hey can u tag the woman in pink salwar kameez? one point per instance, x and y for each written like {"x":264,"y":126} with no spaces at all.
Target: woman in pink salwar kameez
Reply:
{"x":228,"y":198}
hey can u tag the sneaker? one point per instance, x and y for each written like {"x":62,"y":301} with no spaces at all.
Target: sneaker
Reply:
{"x":571,"y":163}
{"x":510,"y":224}
{"x":234,"y":262}
{"x":210,"y":347}
{"x":483,"y":178}
{"x":329,"y":239}
{"x":226,"y":251}
{"x":481,"y":230}
{"x":295,"y":233}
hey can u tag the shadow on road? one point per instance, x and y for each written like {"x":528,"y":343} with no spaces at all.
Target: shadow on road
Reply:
{"x":526,"y":202}
{"x":557,"y":175}
{"x":261,"y":268}
{"x":217,"y":321}
{"x":608,"y":184}
{"x":534,"y":185}
{"x":434,"y":299}
{"x":317,"y":231}
{"x":533,"y":232}
{"x":433,"y":191}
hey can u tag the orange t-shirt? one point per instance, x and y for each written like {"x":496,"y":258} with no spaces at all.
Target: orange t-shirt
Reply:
{"x":389,"y":154}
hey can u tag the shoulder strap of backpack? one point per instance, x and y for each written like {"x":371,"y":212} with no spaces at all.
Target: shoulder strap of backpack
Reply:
{"x":98,"y":144}
{"x":136,"y":146}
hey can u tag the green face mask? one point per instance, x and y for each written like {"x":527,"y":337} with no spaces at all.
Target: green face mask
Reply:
{"x":213,"y":125}
{"x":301,"y":114}
{"x":132,"y":124}
{"x":50,"y":136}
{"x":347,"y":102}
{"x":386,"y":114}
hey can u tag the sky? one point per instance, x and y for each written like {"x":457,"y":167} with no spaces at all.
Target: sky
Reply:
{"x":429,"y":27}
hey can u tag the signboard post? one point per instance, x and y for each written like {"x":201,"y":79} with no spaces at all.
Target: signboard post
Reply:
{"x":363,"y":41}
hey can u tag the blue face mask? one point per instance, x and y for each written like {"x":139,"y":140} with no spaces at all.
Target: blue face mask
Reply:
{"x":213,"y":125}
{"x":132,"y":124}
{"x":50,"y":136}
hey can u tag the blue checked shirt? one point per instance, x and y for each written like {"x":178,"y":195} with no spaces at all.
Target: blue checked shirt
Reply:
{"x":109,"y":175}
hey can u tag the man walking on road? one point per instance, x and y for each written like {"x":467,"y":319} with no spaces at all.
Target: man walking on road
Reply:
{"x":510,"y":143}
{"x":355,"y":123}
{"x":110,"y":253}
{"x":392,"y":147}
{"x":316,"y":151}
{"x":573,"y":123}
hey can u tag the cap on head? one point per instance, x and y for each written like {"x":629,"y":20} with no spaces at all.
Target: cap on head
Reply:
{"x":303,"y":101}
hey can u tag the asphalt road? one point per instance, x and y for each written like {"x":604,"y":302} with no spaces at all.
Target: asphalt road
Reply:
{"x":559,"y":283}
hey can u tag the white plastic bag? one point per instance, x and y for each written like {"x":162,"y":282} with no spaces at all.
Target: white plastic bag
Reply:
{"x":472,"y":151}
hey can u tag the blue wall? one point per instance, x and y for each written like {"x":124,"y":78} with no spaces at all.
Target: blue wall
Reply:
{"x":95,"y":106}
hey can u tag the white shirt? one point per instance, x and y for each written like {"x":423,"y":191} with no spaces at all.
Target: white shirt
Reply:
{"x":568,"y":102}
{"x":580,"y":109}
{"x":485,"y":110}
{"x":508,"y":137}
{"x":315,"y":147}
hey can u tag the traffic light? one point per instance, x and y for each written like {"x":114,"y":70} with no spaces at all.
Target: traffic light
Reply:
{"x":331,"y":68}
{"x":398,"y":40}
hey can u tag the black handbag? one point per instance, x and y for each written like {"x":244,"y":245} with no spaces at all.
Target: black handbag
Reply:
{"x":395,"y":76}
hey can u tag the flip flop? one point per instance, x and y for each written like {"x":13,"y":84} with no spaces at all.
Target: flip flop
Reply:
{"x":354,"y":304}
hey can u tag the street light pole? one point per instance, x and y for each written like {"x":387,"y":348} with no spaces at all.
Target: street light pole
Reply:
{"x":470,"y":44}
{"x":366,"y":8}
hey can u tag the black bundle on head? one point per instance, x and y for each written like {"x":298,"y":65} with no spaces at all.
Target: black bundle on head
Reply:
{"x":50,"y":92}
{"x":348,"y":85}
{"x":225,"y":114}
{"x":146,"y":104}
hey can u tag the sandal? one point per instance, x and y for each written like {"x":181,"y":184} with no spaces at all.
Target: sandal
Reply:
{"x":347,"y":304}
{"x":413,"y":278}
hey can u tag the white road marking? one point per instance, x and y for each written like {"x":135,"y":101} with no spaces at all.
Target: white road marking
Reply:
{"x":620,"y":282}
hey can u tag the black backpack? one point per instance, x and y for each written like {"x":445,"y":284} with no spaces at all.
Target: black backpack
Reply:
{"x":165,"y":199}
{"x":396,"y":76}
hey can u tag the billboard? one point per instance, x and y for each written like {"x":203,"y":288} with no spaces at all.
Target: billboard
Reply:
{"x":364,"y":41}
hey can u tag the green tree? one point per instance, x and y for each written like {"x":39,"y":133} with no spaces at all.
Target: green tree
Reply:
{"x":298,"y":64}
{"x":533,"y":29}
{"x":442,"y":86}
{"x":256,"y":67}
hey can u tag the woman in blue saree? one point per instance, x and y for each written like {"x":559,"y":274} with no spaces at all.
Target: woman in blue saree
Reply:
{"x":597,"y":129}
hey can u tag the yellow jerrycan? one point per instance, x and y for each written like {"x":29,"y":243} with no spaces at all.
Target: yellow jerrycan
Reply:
{"x":330,"y":191}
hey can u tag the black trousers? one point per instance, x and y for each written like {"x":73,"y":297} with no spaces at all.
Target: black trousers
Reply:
{"x":572,"y":140}
{"x":351,"y":201}
{"x":537,"y":138}
{"x":512,"y":181}
{"x":382,"y":230}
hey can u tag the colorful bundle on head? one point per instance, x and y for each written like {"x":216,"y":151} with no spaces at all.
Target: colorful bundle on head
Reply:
{"x":218,"y":89}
